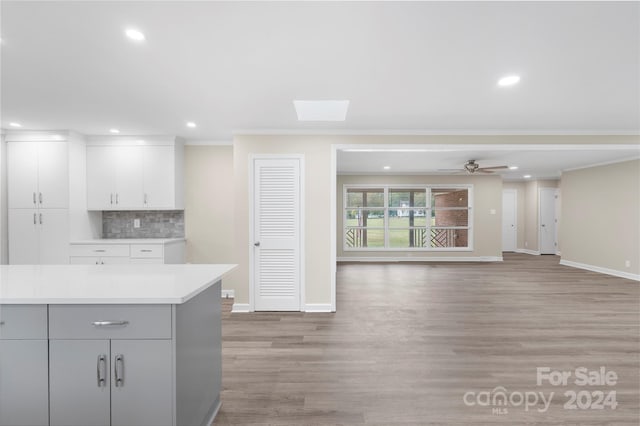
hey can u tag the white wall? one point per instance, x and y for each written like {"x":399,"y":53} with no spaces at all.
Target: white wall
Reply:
{"x":4,"y":245}
{"x":601,"y":217}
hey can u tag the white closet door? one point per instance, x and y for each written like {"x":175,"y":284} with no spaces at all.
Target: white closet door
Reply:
{"x":22,"y":170}
{"x":547,"y":217}
{"x":509,"y":217}
{"x":277,"y":238}
{"x":53,"y":175}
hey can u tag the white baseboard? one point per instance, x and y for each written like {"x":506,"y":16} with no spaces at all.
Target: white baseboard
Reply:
{"x":228,"y":294}
{"x":422,"y":259}
{"x":527,"y":251}
{"x":317,"y":307}
{"x":240,"y":307}
{"x":607,"y":271}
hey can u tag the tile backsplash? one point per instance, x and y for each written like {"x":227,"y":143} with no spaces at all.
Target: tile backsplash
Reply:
{"x":153,"y":224}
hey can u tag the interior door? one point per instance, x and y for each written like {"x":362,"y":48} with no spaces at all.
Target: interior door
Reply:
{"x":277,"y":234}
{"x":547,"y":220}
{"x":509,"y":217}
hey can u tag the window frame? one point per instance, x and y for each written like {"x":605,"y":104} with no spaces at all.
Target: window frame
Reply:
{"x":428,"y":211}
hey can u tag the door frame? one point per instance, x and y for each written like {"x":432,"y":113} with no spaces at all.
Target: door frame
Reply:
{"x":556,"y":193}
{"x":515,"y":202}
{"x":252,"y":164}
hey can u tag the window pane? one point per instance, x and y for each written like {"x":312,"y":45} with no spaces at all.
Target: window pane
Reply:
{"x":375,"y":198}
{"x":354,"y":198}
{"x":404,"y":218}
{"x":407,"y":198}
{"x":449,"y":238}
{"x":362,"y":237}
{"x":453,"y":197}
{"x":365,"y":217}
{"x":408,"y":238}
{"x":450,"y":217}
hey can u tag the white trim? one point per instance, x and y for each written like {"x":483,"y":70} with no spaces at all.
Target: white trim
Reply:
{"x":601,"y":270}
{"x":558,"y":253}
{"x":454,"y":147}
{"x":333,"y":209}
{"x":604,"y":163}
{"x":240,"y":308}
{"x":208,"y":143}
{"x":228,"y":294}
{"x":302,"y":176}
{"x":37,"y":136}
{"x":142,"y":140}
{"x":527,"y":251}
{"x":444,"y":132}
{"x":422,"y":259}
{"x":318,"y":307}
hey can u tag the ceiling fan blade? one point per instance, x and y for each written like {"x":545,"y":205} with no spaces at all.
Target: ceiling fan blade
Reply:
{"x":493,"y":168}
{"x":489,"y":172}
{"x":449,"y":170}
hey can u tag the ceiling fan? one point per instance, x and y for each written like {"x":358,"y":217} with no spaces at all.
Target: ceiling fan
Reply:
{"x":472,"y":167}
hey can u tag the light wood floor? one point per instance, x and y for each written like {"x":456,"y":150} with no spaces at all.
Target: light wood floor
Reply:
{"x":409,"y":340}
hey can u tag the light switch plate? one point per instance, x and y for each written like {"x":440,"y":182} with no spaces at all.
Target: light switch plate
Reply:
{"x":136,"y":223}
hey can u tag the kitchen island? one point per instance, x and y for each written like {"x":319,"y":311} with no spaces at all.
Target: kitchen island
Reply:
{"x":110,"y":344}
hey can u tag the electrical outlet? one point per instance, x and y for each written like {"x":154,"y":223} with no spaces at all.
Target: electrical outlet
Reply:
{"x":627,"y":263}
{"x":136,"y":223}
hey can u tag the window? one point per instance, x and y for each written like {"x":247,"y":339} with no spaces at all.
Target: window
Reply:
{"x":407,"y":217}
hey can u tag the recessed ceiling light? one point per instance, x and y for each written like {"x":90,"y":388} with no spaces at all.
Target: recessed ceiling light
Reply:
{"x":115,"y":131}
{"x":527,"y":176}
{"x":134,"y":34}
{"x":15,"y":124}
{"x":321,"y":110}
{"x":513,"y":167}
{"x":509,"y":80}
{"x":191,"y":124}
{"x":386,"y":167}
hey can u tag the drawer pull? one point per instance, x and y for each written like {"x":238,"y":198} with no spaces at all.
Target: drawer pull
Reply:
{"x":119,"y":372}
{"x":110,"y":323}
{"x":102,"y":367}
{"x":100,"y":250}
{"x":1,"y":322}
{"x":146,"y":251}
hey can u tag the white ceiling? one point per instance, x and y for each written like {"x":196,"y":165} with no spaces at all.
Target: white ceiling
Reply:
{"x":235,"y":67}
{"x":538,"y":161}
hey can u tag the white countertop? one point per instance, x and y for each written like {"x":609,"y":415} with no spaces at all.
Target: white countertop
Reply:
{"x":130,"y":241}
{"x":106,"y":284}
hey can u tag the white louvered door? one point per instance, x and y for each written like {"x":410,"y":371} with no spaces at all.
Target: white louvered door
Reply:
{"x":277,"y":237}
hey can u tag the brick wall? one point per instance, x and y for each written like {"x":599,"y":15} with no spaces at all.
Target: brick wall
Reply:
{"x":453,"y":217}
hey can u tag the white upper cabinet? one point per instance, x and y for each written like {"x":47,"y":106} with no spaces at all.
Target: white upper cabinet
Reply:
{"x":134,"y":175}
{"x":38,"y":173}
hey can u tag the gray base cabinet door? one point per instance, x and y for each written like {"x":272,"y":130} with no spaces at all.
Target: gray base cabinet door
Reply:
{"x":23,"y":386}
{"x":79,"y":383}
{"x":141,"y":383}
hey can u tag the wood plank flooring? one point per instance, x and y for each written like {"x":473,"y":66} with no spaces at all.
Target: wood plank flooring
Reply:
{"x":410,"y":340}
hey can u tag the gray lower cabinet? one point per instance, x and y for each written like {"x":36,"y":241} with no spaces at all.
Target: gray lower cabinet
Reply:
{"x":24,"y":397}
{"x":23,"y":384}
{"x":110,"y":382}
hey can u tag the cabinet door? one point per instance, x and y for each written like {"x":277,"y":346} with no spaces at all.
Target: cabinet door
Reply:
{"x":54,"y":236}
{"x":23,"y":237}
{"x":129,"y":178}
{"x":158,"y":166}
{"x":79,"y":391}
{"x":144,"y":394}
{"x":24,"y":393}
{"x":101,"y":175}
{"x":53,"y":175}
{"x":84,"y":260}
{"x":22,"y":169}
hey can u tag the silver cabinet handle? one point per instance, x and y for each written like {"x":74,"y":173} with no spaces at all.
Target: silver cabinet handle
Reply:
{"x":110,"y":198}
{"x":96,"y":262}
{"x":118,"y":323}
{"x":40,"y":218}
{"x":100,"y":250}
{"x":34,"y":219}
{"x":119,"y":372}
{"x":146,"y":251}
{"x":34,"y":198}
{"x":257,"y":244}
{"x":40,"y":197}
{"x":145,"y":198}
{"x":101,"y":370}
{"x":116,"y":198}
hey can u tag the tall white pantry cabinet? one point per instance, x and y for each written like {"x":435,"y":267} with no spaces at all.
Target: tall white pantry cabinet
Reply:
{"x":38,"y":198}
